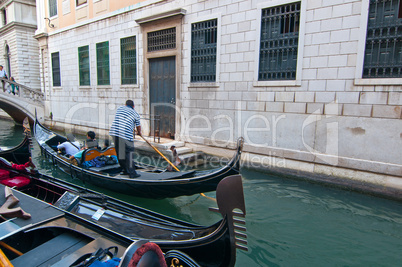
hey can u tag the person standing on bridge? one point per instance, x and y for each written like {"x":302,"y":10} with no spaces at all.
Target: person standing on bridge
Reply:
{"x":122,"y":132}
{"x":3,"y":75}
{"x":14,"y":88}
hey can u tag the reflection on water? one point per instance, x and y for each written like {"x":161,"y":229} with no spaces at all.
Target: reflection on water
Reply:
{"x":289,"y":222}
{"x":10,"y":134}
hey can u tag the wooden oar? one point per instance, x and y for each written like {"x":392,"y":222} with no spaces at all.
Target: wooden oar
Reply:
{"x":211,"y":198}
{"x":19,"y":253}
{"x":4,"y":261}
{"x":163,"y":156}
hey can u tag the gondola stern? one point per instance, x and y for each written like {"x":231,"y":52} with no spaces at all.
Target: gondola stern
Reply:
{"x":22,"y":152}
{"x":230,"y":200}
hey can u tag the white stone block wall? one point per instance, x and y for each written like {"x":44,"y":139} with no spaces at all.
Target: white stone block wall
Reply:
{"x":18,"y":35}
{"x":331,"y":44}
{"x":23,"y":54}
{"x":328,"y":112}
{"x":26,"y":63}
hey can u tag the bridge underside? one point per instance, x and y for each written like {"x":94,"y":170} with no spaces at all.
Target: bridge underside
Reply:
{"x":15,"y":112}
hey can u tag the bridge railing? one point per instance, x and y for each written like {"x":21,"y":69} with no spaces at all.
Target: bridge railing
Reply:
{"x":21,"y":90}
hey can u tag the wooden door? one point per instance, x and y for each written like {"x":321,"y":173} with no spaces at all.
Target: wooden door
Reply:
{"x":162,"y":86}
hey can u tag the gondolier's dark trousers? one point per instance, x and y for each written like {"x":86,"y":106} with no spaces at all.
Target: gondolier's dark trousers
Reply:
{"x":125,"y":151}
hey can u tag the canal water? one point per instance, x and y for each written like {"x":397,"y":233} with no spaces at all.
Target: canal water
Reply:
{"x":289,"y":222}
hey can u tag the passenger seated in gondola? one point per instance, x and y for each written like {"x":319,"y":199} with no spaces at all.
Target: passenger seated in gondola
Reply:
{"x":91,"y":142}
{"x":176,"y":159}
{"x":69,"y":147}
{"x":76,"y":158}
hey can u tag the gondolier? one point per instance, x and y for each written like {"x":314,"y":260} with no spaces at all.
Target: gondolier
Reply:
{"x":122,"y":132}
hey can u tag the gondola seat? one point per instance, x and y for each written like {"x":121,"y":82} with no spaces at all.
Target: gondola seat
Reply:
{"x":17,"y":181}
{"x":4,"y":174}
{"x":110,"y":151}
{"x":92,"y":153}
{"x":52,"y":251}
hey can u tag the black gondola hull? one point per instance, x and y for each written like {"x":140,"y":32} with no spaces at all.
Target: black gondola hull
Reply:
{"x":125,"y":223}
{"x":19,"y":154}
{"x":156,"y":185}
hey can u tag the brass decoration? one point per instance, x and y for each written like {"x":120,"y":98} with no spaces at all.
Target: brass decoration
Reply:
{"x":175,"y":263}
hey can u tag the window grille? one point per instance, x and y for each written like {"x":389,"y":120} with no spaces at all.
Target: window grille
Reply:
{"x":203,"y":51}
{"x":162,"y":40}
{"x":128,"y":60}
{"x":56,"y":69}
{"x":382,"y":58}
{"x":279,"y":42}
{"x":102,"y":63}
{"x":52,"y":8}
{"x":83,"y":65}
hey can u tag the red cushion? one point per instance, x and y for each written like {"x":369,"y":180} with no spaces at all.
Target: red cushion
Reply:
{"x":4,"y":174}
{"x":18,"y":181}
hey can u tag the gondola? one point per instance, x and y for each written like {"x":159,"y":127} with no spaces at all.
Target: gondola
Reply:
{"x":78,"y":208}
{"x":153,"y":183}
{"x":21,"y":153}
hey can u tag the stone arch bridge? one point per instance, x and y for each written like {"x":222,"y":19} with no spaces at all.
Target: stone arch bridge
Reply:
{"x":23,"y":103}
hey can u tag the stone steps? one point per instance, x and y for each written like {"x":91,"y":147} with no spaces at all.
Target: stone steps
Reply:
{"x":186,"y":154}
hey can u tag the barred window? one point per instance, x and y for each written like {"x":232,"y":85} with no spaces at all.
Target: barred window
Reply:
{"x":102,"y":63}
{"x":279,"y":42}
{"x":128,"y":60}
{"x":56,"y":69}
{"x":382,"y":58}
{"x":52,"y":8}
{"x":162,"y":40}
{"x":83,"y":65}
{"x":203,"y":51}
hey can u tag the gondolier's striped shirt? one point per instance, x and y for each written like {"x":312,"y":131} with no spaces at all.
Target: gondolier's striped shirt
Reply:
{"x":125,"y":120}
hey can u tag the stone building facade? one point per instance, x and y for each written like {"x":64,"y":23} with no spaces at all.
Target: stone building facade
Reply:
{"x":306,"y":83}
{"x":19,"y":48}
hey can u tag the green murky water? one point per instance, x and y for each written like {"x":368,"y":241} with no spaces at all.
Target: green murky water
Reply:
{"x":289,"y":222}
